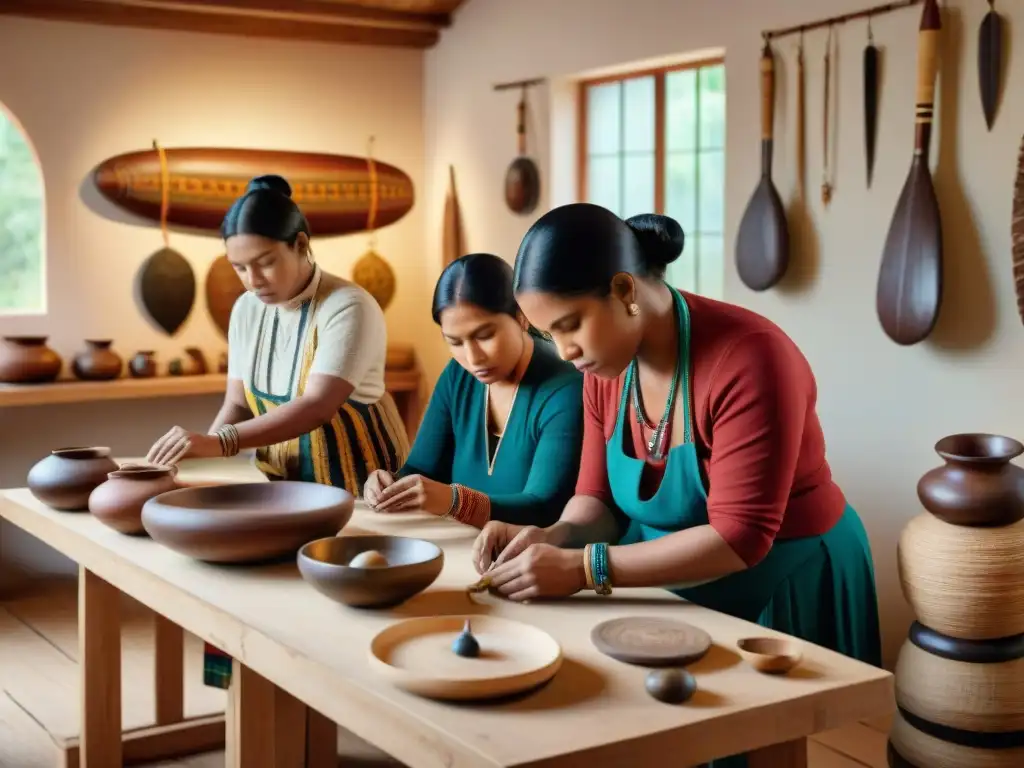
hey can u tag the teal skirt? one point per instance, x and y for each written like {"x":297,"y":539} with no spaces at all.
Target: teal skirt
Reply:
{"x":827,"y":597}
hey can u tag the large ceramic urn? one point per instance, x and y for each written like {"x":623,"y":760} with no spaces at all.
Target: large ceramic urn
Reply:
{"x":960,"y":673}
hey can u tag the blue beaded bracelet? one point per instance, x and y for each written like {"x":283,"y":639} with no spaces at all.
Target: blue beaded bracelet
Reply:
{"x":599,"y":569}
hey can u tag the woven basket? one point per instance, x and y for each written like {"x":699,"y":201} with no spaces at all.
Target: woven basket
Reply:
{"x":924,"y":751}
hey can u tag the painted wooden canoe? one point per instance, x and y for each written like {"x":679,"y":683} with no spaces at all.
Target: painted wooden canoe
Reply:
{"x":334,"y":191}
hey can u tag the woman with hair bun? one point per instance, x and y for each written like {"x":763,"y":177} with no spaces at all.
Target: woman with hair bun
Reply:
{"x":703,"y":464}
{"x":306,"y":352}
{"x":501,"y":436}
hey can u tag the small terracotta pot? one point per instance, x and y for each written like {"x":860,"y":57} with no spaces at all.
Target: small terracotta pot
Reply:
{"x":27,"y":360}
{"x":98,"y":362}
{"x":118,"y":502}
{"x":143,"y":365}
{"x":65,"y":478}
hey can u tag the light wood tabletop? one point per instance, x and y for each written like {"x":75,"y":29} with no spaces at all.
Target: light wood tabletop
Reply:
{"x":595,"y":712}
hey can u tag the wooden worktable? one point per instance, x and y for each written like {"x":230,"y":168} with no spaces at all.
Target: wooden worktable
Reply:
{"x":594,"y":713}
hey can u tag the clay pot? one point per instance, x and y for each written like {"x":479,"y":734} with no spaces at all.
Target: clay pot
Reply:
{"x":118,"y":502}
{"x":65,"y":478}
{"x":98,"y":362}
{"x":978,"y":485}
{"x":143,"y":365}
{"x":27,"y":360}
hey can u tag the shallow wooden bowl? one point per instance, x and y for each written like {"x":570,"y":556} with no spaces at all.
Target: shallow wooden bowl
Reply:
{"x":416,"y":655}
{"x":246,"y":522}
{"x":771,"y":655}
{"x":413,"y":565}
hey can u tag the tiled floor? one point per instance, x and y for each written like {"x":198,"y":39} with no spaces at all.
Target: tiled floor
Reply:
{"x":38,"y":677}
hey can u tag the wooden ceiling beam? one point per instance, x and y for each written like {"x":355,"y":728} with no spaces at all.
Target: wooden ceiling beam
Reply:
{"x":318,"y":20}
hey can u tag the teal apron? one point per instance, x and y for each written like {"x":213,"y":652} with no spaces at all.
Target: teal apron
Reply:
{"x":819,"y":588}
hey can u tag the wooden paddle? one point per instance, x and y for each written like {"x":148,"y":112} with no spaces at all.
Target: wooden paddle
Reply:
{"x":910,"y":278}
{"x":870,"y":102}
{"x":762,"y":243}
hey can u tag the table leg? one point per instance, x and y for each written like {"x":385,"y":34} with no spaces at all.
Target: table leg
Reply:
{"x":321,"y":741}
{"x":99,"y":658}
{"x":788,"y":754}
{"x":169,"y":680}
{"x":266,"y":727}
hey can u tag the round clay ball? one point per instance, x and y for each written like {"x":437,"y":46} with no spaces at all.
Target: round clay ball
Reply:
{"x":672,"y":686}
{"x":371,"y":558}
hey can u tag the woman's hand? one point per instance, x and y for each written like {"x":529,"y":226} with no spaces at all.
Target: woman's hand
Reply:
{"x":542,"y":570}
{"x":378,"y":480}
{"x":415,"y":492}
{"x":179,"y":444}
{"x":499,"y":542}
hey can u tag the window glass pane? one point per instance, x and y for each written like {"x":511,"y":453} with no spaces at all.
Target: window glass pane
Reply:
{"x":681,"y":110}
{"x":604,"y":184}
{"x":681,"y":189}
{"x":712,"y":107}
{"x":638,"y":186}
{"x":604,"y":119}
{"x":711,"y":266}
{"x":638,"y":101}
{"x":711,"y":216}
{"x":682,"y":273}
{"x":22,"y":260}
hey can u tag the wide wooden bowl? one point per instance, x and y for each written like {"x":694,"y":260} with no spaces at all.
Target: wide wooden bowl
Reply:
{"x":413,"y":565}
{"x":246,"y":522}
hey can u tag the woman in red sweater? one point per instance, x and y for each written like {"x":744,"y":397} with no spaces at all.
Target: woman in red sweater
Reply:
{"x":703,"y":464}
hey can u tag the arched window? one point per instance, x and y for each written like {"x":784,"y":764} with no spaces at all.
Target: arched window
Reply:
{"x":22,"y":223}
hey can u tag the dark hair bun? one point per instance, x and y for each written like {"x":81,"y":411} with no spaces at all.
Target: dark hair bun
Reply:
{"x":272,"y":182}
{"x":661,"y":238}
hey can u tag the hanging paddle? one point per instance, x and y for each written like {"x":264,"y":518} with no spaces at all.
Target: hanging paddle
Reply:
{"x":801,"y":123}
{"x":990,"y":62}
{"x":828,"y":147}
{"x":451,"y":237}
{"x":1017,"y":232}
{"x":870,"y":102}
{"x":910,"y":278}
{"x":762,"y":243}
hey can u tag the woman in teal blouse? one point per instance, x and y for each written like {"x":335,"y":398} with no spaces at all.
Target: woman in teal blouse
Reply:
{"x":501,"y":436}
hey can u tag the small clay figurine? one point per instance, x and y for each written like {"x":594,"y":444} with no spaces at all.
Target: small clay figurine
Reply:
{"x":672,"y":686}
{"x":465,"y":644}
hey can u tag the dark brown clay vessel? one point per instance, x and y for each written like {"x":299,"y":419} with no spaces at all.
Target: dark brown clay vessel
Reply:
{"x":98,"y":362}
{"x":118,"y":502}
{"x":246,"y":522}
{"x":143,"y":365}
{"x":413,"y":565}
{"x":27,"y":360}
{"x":65,"y":479}
{"x":978,"y":485}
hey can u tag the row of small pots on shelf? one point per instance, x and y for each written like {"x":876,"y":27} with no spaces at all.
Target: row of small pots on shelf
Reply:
{"x":28,"y":360}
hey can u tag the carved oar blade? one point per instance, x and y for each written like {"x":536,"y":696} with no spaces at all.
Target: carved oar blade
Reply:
{"x":1017,"y":232}
{"x":910,"y":278}
{"x":870,"y":107}
{"x":762,"y":242}
{"x":990,"y":56}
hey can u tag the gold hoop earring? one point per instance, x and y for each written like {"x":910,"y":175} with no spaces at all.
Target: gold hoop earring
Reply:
{"x":633,"y":309}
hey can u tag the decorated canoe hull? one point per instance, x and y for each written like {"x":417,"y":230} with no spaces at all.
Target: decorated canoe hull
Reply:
{"x":334,"y":191}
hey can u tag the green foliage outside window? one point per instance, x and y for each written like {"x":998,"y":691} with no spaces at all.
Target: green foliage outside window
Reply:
{"x":21,"y":224}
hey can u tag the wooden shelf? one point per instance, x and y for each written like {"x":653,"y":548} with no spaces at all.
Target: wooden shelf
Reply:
{"x":62,"y":392}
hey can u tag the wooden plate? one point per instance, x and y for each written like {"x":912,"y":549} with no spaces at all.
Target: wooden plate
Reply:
{"x":650,"y":641}
{"x":416,"y":655}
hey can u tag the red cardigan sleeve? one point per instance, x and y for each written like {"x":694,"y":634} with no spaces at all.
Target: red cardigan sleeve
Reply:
{"x":758,"y":401}
{"x":593,"y":477}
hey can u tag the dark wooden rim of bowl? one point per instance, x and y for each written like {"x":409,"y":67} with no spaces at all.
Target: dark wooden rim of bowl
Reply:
{"x":979,"y":448}
{"x":303,"y":555}
{"x":82,"y":452}
{"x":100,"y":342}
